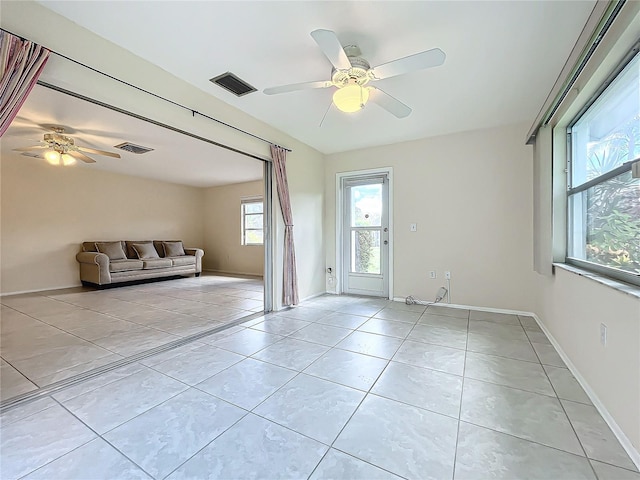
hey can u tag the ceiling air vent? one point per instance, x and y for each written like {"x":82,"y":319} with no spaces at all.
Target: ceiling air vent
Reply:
{"x":230,"y":82}
{"x":133,"y":148}
{"x":31,"y":154}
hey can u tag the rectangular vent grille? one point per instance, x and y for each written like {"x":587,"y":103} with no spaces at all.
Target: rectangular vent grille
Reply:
{"x":31,"y":154}
{"x":232,"y":83}
{"x":133,"y":148}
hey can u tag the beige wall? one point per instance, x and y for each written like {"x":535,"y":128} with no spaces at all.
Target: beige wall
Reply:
{"x":47,"y":212}
{"x":572,"y":308}
{"x":470,"y":194}
{"x":222,"y":230}
{"x":304,"y":164}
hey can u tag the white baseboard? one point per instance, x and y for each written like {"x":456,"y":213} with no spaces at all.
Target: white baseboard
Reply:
{"x":615,"y":428}
{"x":613,"y":425}
{"x":315,"y":295}
{"x":225,"y":272}
{"x":39,"y":290}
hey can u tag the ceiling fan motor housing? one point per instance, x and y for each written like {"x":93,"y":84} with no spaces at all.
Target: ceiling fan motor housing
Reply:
{"x":58,"y":142}
{"x":358,"y":73}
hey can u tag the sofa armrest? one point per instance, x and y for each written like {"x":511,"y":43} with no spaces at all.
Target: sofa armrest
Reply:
{"x":198,"y":253}
{"x":94,"y":267}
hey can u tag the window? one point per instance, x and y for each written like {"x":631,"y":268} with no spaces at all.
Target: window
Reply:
{"x":252,"y":222}
{"x":603,"y":197}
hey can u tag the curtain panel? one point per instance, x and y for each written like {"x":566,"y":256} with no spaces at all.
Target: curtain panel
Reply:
{"x":21,"y":63}
{"x":290,"y":285}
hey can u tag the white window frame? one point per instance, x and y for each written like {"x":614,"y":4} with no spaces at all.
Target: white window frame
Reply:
{"x":571,"y":190}
{"x":243,"y":216}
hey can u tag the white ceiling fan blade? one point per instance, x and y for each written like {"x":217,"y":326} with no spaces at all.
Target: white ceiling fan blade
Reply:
{"x":98,"y":152}
{"x":390,"y":104}
{"x":296,"y":86}
{"x":26,"y":149}
{"x":80,"y":156}
{"x":330,"y":46}
{"x":431,"y":58}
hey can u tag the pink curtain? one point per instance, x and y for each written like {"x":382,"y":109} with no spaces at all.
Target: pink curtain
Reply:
{"x":21,"y":63}
{"x":290,"y":286}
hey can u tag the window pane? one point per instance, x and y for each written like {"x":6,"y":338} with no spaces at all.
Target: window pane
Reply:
{"x":366,"y":205}
{"x":608,"y":134}
{"x":254,"y":237}
{"x":253,"y":207}
{"x":605,"y":223}
{"x":253,"y":221}
{"x":365,"y":251}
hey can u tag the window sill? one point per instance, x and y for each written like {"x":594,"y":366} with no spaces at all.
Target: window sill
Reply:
{"x":601,"y":279}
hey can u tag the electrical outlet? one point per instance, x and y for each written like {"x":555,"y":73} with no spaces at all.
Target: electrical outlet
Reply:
{"x":413,"y":227}
{"x":603,"y":334}
{"x":432,"y":274}
{"x":447,"y":275}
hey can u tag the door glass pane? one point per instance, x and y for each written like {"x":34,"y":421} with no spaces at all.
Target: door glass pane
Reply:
{"x":366,"y":205}
{"x":365,"y":251}
{"x":606,"y":224}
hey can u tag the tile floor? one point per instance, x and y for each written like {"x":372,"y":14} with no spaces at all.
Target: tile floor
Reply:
{"x":340,"y":387}
{"x":51,"y":336}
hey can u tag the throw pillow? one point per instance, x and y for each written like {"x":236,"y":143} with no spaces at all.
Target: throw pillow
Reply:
{"x":173,"y":249}
{"x":113,"y":250}
{"x":145,"y":250}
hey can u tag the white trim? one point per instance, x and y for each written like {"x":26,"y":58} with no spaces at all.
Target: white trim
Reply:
{"x":50,"y":289}
{"x":310,"y":297}
{"x":617,"y":431}
{"x":338,"y":216}
{"x":615,"y":428}
{"x":227,"y":272}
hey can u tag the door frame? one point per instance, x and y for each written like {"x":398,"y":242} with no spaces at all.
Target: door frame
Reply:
{"x":339,"y":244}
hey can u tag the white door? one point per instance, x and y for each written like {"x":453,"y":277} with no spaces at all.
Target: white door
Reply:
{"x":365,"y":235}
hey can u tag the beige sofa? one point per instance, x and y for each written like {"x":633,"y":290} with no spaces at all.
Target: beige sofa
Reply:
{"x":131,"y":260}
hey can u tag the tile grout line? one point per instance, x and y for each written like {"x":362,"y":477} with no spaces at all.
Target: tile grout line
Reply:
{"x":464,"y":369}
{"x":573,"y":429}
{"x":62,"y":384}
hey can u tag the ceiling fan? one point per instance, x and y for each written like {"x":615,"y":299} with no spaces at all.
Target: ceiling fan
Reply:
{"x":62,"y":149}
{"x":351,"y":75}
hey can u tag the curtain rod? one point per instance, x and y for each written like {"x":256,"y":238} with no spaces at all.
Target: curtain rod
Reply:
{"x":193,"y":112}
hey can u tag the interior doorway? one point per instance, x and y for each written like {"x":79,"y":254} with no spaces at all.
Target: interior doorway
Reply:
{"x":364,"y":239}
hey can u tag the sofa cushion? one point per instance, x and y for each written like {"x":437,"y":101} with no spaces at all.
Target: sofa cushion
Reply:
{"x":145,"y":251}
{"x":173,"y":249}
{"x":160,"y":247}
{"x":125,"y":265}
{"x":156,"y":263}
{"x":131,"y":253}
{"x":113,"y":250}
{"x":183,"y":260}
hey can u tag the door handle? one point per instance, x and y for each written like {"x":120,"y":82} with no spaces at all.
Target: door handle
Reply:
{"x":386,"y":242}
{"x":385,"y":229}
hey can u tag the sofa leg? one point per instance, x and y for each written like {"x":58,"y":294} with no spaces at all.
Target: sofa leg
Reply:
{"x":198,"y":274}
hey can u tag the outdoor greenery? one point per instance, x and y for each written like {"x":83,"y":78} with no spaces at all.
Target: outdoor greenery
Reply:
{"x":613,"y":207}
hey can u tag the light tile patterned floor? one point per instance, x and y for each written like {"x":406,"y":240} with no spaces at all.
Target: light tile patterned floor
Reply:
{"x":51,"y":336}
{"x":341,"y":387}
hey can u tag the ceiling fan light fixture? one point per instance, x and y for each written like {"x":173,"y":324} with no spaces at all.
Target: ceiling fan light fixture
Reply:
{"x":351,"y":98}
{"x":56,"y":158}
{"x":52,"y":157}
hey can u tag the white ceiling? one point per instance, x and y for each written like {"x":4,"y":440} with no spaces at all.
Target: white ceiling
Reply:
{"x":502,"y":57}
{"x":176,"y":158}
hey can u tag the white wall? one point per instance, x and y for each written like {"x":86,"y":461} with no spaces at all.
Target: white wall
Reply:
{"x":470,"y":194}
{"x":572,"y":307}
{"x":47,"y":212}
{"x":222,"y":230}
